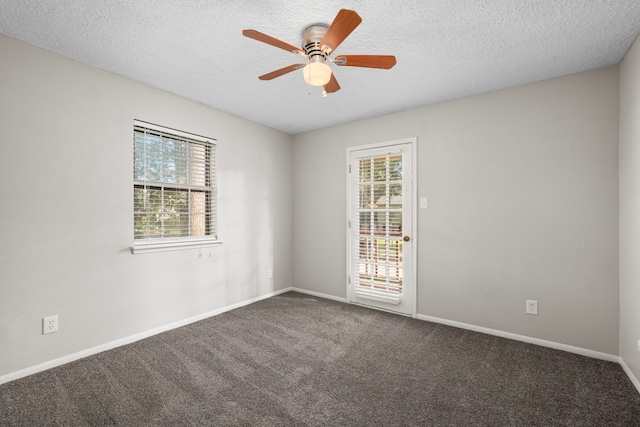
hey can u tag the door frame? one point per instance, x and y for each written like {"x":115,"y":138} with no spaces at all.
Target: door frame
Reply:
{"x":413,"y":141}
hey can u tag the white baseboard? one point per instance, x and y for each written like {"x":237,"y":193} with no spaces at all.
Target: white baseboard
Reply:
{"x":632,"y":377}
{"x":523,"y":338}
{"x":318,"y":294}
{"x":537,"y":341}
{"x":130,"y":339}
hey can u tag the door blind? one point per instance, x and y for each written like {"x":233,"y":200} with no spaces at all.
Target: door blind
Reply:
{"x":379,"y":225}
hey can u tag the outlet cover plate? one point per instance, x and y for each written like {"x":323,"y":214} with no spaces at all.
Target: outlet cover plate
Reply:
{"x":49,"y":324}
{"x":532,"y":307}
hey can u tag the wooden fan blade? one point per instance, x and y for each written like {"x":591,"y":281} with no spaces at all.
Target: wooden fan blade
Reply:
{"x":333,"y":85}
{"x":343,"y":24}
{"x":261,"y":37}
{"x":369,"y":61}
{"x":281,"y":71}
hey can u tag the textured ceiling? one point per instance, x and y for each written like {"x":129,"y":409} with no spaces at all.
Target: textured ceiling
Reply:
{"x":445,"y":49}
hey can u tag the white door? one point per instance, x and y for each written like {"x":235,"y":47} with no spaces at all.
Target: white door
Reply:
{"x":381,"y":222}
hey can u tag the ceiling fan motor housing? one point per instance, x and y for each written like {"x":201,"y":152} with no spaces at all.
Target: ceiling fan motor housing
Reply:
{"x":311,"y":38}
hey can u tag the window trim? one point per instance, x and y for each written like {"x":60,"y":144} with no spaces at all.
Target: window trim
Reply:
{"x":178,"y":243}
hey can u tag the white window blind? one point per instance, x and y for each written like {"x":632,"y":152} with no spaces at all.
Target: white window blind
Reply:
{"x":174,"y":188}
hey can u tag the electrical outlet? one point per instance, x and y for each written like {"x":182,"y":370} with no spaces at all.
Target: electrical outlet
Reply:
{"x":638,"y":345}
{"x":49,"y":324}
{"x":270,"y":273}
{"x":532,"y":307}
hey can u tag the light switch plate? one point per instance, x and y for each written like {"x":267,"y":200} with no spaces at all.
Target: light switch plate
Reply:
{"x":424,"y":203}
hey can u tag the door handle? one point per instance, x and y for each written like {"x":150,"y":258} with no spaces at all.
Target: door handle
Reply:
{"x":406,"y":238}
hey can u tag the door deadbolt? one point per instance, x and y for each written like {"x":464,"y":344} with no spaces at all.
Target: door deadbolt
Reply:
{"x":406,"y":238}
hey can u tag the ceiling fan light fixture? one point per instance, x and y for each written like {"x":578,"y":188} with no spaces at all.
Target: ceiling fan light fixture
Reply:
{"x":316,"y":73}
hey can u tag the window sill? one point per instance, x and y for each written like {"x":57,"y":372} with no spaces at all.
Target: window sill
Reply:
{"x":144,"y":248}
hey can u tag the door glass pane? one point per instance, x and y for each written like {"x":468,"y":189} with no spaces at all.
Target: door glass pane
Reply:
{"x":364,"y":222}
{"x":395,"y":224}
{"x":379,"y":227}
{"x":395,"y":168}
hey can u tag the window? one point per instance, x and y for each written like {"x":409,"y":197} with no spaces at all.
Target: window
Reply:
{"x":174,"y":189}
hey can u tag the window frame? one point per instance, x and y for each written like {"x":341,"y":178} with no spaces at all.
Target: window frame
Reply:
{"x":161,"y":244}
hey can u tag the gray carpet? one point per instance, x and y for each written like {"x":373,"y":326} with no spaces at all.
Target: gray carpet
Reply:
{"x":295,"y":360}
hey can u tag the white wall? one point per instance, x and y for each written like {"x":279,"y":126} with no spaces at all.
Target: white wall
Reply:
{"x":66,"y":222}
{"x":523,"y":204}
{"x":630,"y":209}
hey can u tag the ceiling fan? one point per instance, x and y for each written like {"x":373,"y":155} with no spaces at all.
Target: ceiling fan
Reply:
{"x":318,"y":43}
